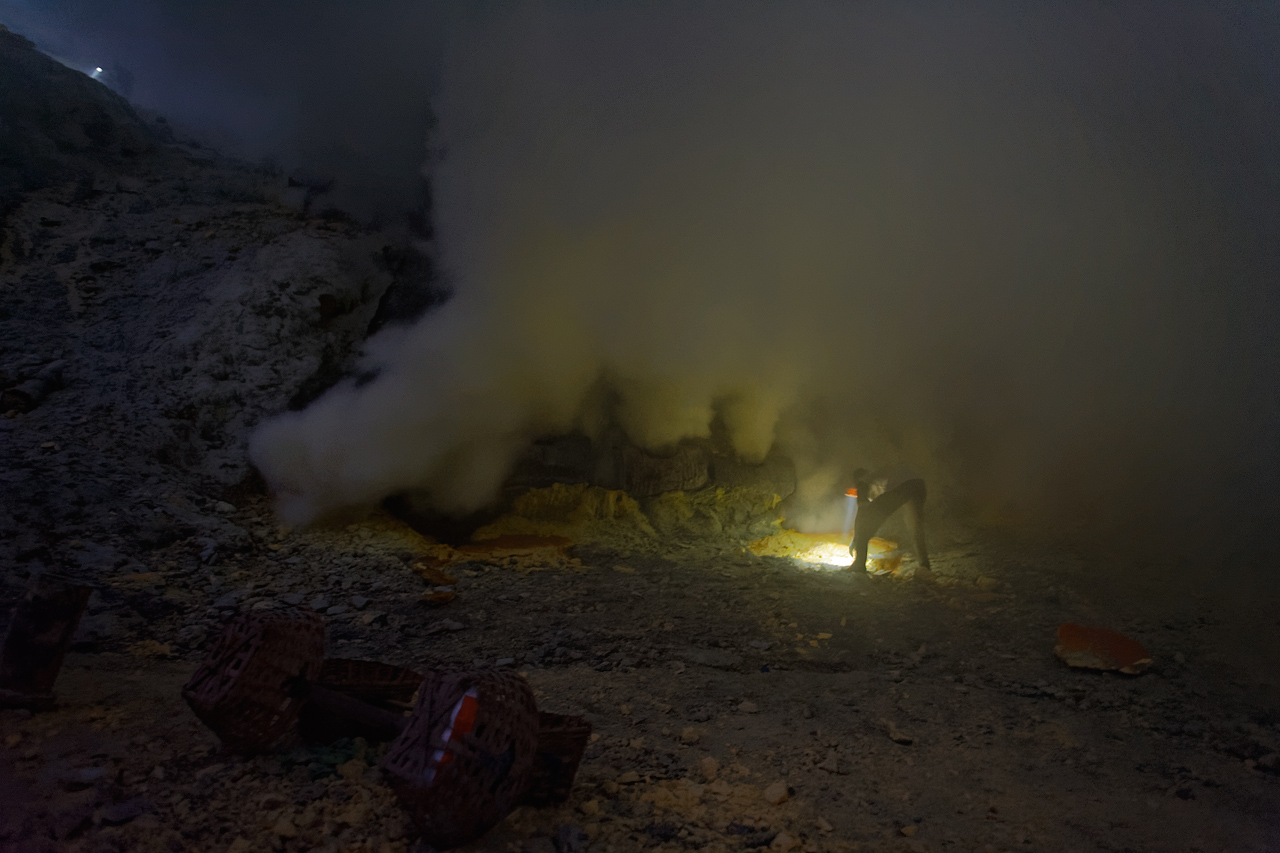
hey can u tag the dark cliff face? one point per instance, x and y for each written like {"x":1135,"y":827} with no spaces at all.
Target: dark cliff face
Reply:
{"x":141,"y":282}
{"x":57,"y":124}
{"x":332,"y":86}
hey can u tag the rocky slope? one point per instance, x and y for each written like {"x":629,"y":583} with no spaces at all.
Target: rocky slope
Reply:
{"x":157,"y":301}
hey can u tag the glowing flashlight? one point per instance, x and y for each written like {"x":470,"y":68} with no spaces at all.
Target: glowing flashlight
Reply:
{"x":94,"y":75}
{"x":850,"y":511}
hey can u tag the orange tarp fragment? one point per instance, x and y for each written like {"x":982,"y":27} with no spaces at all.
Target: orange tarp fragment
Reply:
{"x":1099,"y":648}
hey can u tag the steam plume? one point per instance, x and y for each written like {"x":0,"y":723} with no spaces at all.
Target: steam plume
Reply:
{"x":988,"y":242}
{"x":1029,"y":250}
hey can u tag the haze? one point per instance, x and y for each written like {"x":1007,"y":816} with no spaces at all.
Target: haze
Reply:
{"x":1027,"y":249}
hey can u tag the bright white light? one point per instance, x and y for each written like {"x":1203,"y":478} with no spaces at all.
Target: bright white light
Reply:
{"x":829,"y":551}
{"x":95,"y":73}
{"x":826,"y":554}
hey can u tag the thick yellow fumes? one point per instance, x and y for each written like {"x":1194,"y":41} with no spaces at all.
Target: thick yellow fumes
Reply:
{"x":855,"y":228}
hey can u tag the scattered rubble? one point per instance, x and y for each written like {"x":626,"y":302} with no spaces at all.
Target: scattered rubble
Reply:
{"x":897,"y":735}
{"x":776,"y":794}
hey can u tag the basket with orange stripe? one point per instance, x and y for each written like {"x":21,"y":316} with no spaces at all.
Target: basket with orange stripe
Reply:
{"x":467,"y":754}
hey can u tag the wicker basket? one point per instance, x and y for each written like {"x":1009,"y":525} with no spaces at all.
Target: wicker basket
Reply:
{"x":561,"y":742}
{"x":247,"y":688}
{"x":372,"y":681}
{"x":483,"y":773}
{"x":382,"y":685}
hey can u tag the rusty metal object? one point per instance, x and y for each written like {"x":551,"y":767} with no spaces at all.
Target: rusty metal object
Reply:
{"x":561,"y":742}
{"x":251,"y":687}
{"x":457,"y":787}
{"x":37,"y":640}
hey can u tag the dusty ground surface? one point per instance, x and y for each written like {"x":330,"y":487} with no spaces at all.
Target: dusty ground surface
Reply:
{"x":187,"y":297}
{"x":777,"y":672}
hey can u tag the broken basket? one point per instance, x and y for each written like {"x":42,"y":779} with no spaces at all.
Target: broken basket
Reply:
{"x":382,"y":685}
{"x":561,"y":742}
{"x":236,"y":690}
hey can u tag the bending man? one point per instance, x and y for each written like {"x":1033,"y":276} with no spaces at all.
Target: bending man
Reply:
{"x":879,"y":496}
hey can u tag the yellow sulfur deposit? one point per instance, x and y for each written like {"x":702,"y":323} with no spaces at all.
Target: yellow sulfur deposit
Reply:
{"x":883,"y":556}
{"x":579,"y":512}
{"x":739,"y":511}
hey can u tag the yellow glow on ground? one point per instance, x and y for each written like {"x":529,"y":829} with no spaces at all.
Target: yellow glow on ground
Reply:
{"x":828,"y":549}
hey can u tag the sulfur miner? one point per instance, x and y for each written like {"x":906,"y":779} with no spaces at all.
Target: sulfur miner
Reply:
{"x":880,"y":494}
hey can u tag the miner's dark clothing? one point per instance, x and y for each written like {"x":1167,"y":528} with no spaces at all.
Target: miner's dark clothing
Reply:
{"x":879,"y":496}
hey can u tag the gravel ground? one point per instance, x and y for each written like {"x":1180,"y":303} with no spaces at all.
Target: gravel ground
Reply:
{"x":913,"y":715}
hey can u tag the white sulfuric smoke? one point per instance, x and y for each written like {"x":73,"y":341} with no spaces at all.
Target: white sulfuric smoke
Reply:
{"x":983,"y":238}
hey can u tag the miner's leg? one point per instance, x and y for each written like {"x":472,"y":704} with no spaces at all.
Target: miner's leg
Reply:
{"x":915,"y":519}
{"x":858,"y":548}
{"x":871,"y":515}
